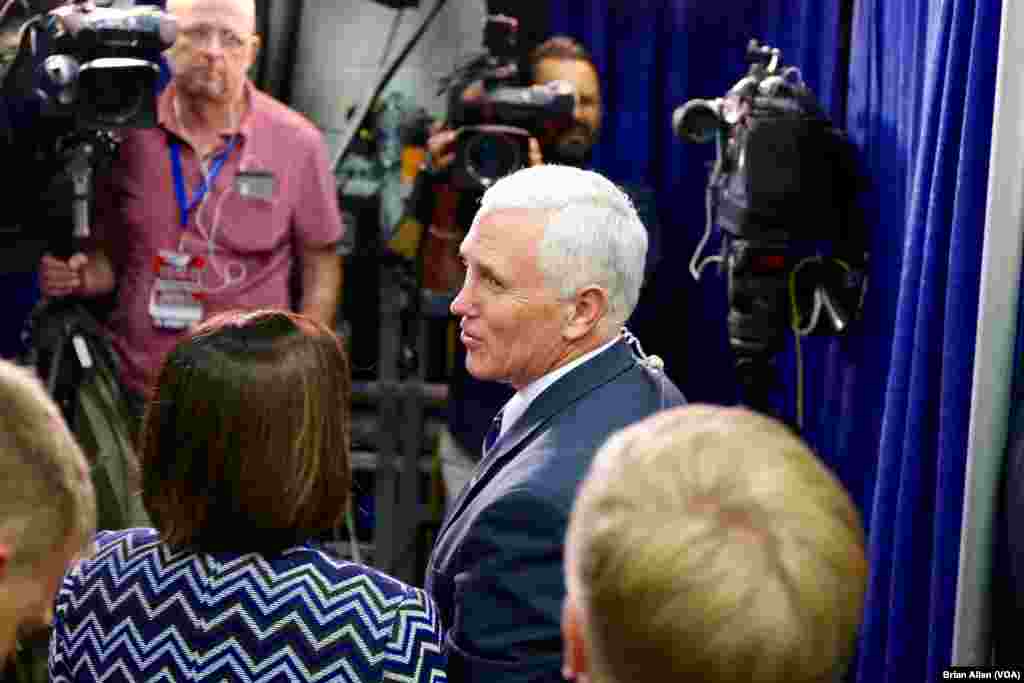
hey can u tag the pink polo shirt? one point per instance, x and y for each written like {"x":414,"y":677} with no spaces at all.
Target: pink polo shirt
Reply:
{"x":249,"y":243}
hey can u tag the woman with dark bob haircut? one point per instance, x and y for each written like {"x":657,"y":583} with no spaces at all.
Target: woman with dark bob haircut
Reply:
{"x":245,"y":472}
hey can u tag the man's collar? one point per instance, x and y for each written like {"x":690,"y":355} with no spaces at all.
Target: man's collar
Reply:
{"x":168,"y":120}
{"x":522,"y":399}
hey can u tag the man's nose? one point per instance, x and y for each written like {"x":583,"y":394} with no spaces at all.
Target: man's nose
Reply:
{"x":460,"y":305}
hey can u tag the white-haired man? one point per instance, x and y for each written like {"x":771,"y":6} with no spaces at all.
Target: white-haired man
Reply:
{"x":47,"y":505}
{"x":554,"y":263}
{"x":472,"y":403}
{"x":212,"y":209}
{"x":708,"y":543}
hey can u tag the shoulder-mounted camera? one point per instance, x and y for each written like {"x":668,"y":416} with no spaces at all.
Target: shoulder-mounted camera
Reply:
{"x":783,"y":190}
{"x":494,"y":113}
{"x":81,"y":73}
{"x":97,"y":66}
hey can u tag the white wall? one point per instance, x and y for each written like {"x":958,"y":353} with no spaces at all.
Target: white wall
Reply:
{"x":341,"y":43}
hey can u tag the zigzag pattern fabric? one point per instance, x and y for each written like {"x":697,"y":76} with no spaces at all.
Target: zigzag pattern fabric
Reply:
{"x":139,"y":610}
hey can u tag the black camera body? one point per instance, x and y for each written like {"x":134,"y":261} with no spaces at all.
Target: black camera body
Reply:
{"x":103,"y":69}
{"x":82,"y":73}
{"x":495,"y":114}
{"x":784,"y":183}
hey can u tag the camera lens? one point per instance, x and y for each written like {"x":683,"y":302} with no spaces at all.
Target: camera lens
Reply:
{"x":117,"y":94}
{"x":490,"y":156}
{"x":114,"y":97}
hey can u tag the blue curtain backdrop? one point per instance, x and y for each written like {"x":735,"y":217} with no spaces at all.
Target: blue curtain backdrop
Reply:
{"x":943,"y":137}
{"x":887,"y":407}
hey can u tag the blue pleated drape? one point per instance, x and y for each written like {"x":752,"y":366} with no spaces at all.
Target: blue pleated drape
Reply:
{"x":653,"y":56}
{"x":886,"y":407}
{"x":943,"y":140}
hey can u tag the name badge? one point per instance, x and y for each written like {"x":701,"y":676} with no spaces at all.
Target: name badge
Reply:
{"x":255,"y":184}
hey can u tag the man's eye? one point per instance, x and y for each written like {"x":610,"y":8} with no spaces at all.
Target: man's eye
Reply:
{"x":231,"y":39}
{"x":204,"y":34}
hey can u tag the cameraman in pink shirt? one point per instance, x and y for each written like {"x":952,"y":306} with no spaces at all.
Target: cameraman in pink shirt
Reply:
{"x":213,"y":208}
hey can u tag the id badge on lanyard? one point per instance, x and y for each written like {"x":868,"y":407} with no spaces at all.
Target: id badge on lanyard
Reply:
{"x":176,"y":300}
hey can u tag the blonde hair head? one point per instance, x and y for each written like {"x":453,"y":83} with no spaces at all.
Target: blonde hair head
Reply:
{"x":46,"y":494}
{"x":710,"y":542}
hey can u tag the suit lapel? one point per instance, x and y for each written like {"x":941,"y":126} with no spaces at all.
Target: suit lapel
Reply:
{"x":582,"y":380}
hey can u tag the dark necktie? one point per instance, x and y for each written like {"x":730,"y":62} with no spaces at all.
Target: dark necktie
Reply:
{"x":493,"y":432}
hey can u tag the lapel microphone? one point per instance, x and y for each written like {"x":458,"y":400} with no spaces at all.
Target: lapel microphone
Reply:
{"x":652,"y":361}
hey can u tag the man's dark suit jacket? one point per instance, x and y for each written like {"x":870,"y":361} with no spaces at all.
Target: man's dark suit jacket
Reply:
{"x":496,"y":568}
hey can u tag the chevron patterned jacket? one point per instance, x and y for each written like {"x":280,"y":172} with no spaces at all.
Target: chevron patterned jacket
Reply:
{"x":139,"y":610}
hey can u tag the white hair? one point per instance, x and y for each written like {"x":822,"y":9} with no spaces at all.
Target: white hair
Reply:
{"x":593,"y":235}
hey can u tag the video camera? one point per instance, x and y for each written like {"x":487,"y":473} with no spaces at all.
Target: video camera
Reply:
{"x":784,"y":182}
{"x":103,"y":66}
{"x":83,"y":72}
{"x":494,"y":113}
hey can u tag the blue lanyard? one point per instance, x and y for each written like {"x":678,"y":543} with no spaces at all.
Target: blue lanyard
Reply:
{"x":184,"y":203}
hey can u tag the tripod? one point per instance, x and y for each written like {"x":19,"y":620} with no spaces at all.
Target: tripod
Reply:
{"x":62,"y":327}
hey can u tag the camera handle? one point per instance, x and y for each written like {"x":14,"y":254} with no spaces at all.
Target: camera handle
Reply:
{"x":82,"y":153}
{"x":80,"y":170}
{"x":56,"y":323}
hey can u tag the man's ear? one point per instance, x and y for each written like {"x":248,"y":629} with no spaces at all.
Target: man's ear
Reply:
{"x":589,"y":308}
{"x":574,"y":654}
{"x":254,"y":49}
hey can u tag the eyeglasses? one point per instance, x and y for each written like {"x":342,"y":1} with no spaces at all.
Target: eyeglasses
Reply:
{"x":204,"y":34}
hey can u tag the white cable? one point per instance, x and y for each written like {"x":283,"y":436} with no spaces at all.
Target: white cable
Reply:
{"x":815,"y":314}
{"x":817,"y":302}
{"x":225,"y":275}
{"x":652,"y":361}
{"x":6,"y":8}
{"x":31,"y":23}
{"x":697,"y":268}
{"x":227,"y":279}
